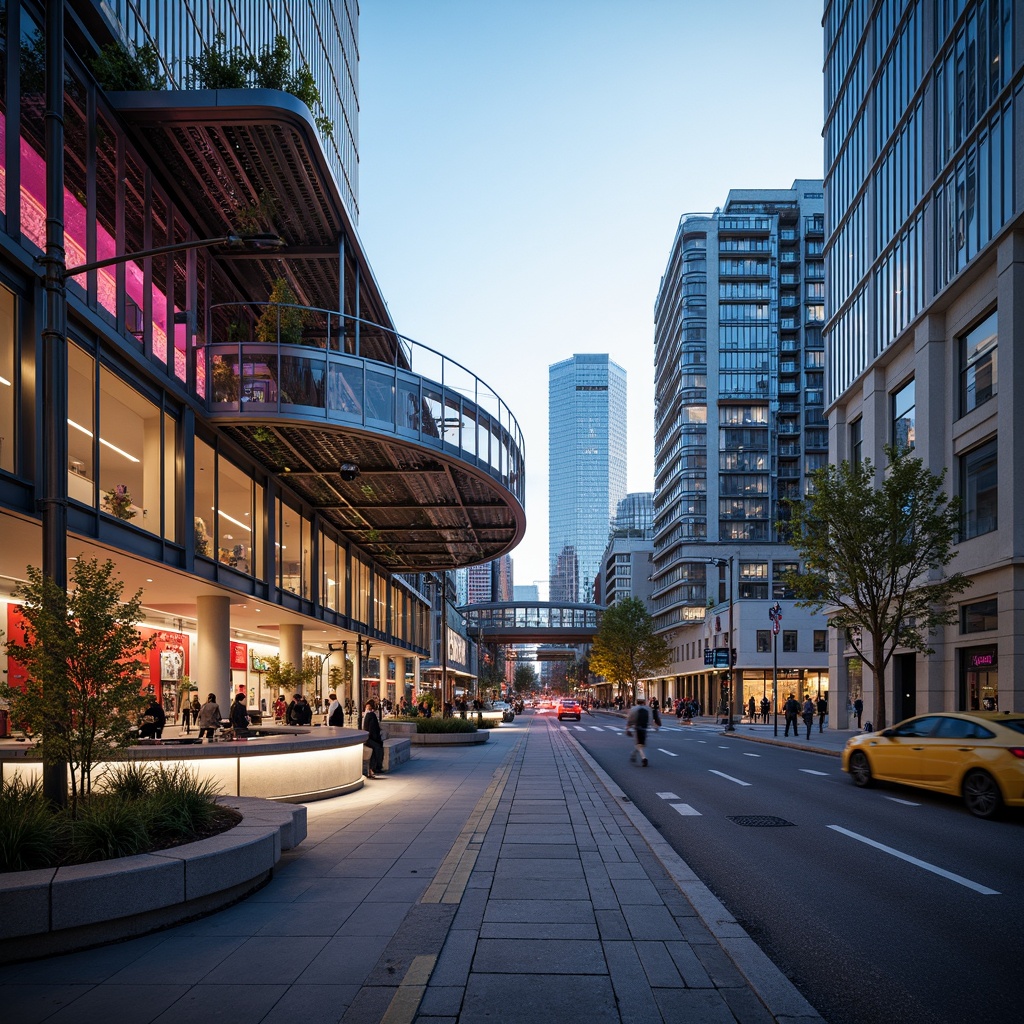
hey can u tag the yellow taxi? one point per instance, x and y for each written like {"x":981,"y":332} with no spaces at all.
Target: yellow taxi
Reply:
{"x":976,"y":755}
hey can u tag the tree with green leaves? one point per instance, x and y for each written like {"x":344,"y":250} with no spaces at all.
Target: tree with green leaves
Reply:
{"x":874,"y":557}
{"x":525,"y":678}
{"x":626,"y":648}
{"x":84,"y":657}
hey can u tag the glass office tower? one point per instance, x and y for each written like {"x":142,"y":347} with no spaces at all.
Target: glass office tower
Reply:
{"x":924,"y":204}
{"x":586,"y":468}
{"x":739,"y":425}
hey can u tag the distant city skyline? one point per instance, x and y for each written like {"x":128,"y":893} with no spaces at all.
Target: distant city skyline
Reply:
{"x":524,"y":217}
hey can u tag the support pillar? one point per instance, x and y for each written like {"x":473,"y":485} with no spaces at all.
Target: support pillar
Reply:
{"x":291,"y":644}
{"x":213,"y":649}
{"x":357,"y":683}
{"x":399,"y":678}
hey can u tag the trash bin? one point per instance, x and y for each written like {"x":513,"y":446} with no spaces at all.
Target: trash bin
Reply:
{"x":5,"y":724}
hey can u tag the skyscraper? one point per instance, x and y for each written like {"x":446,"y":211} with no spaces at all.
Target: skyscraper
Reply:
{"x":586,"y":468}
{"x":924,"y":150}
{"x":739,"y":424}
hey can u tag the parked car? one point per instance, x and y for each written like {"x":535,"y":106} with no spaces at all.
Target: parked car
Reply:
{"x":507,"y":714}
{"x":975,"y":755}
{"x":569,"y":708}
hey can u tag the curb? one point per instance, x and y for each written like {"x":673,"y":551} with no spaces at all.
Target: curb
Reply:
{"x":778,"y":994}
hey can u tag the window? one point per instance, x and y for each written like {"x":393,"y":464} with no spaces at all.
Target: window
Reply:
{"x":979,"y":616}
{"x":857,"y":442}
{"x":8,"y":417}
{"x":979,"y":490}
{"x":764,"y":641}
{"x":820,"y":641}
{"x":903,"y":406}
{"x":789,"y":640}
{"x":753,"y":583}
{"x":780,"y":591}
{"x":978,"y":368}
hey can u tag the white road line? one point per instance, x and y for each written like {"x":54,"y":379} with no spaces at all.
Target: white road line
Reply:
{"x":811,"y":771}
{"x":748,"y":754}
{"x":959,"y":879}
{"x":686,"y":809}
{"x":897,"y":800}
{"x":661,"y":750}
{"x":579,"y":728}
{"x":739,"y":782}
{"x":597,"y":728}
{"x":667,"y":796}
{"x":723,"y":746}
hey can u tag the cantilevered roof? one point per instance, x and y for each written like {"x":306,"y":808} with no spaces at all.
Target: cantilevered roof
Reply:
{"x":419,"y":502}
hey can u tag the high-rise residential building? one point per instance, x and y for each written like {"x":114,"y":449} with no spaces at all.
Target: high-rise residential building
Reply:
{"x":219,"y":401}
{"x":586,"y":468}
{"x":626,"y":564}
{"x":490,"y":581}
{"x":924,"y":209}
{"x":739,"y":425}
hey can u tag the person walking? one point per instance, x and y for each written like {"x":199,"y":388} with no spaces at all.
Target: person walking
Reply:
{"x":209,"y":718}
{"x":374,"y":740}
{"x":636,"y":725}
{"x":822,"y":712}
{"x":808,"y":713}
{"x":752,"y":710}
{"x":858,"y":709}
{"x":291,"y":716}
{"x":766,"y":706}
{"x":792,"y":710}
{"x":186,"y":716}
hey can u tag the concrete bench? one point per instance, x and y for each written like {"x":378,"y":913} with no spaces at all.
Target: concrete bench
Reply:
{"x":57,"y":910}
{"x":396,"y":750}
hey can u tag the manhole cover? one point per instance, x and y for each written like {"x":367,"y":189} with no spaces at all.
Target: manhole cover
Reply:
{"x":759,"y":820}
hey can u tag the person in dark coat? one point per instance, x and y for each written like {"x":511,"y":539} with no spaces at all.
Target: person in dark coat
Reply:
{"x":153,"y":728}
{"x":239,"y":716}
{"x":209,"y":718}
{"x":858,"y":709}
{"x":792,"y":710}
{"x":374,"y":740}
{"x":186,"y":716}
{"x":292,"y":714}
{"x":305,"y":711}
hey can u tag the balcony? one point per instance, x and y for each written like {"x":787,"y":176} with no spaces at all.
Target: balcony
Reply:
{"x":439,"y":478}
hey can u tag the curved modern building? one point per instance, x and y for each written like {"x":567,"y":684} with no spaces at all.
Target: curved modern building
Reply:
{"x":219,"y":401}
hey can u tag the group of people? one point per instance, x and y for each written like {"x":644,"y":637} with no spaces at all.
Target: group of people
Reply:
{"x":794,"y":711}
{"x":207,"y":717}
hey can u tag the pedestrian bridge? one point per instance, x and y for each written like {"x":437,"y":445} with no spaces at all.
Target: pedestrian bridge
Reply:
{"x":533,"y":622}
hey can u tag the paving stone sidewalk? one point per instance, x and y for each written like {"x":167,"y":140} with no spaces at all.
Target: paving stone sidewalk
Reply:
{"x":508,"y":882}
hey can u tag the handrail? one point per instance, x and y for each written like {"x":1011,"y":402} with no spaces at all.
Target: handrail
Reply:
{"x":262,"y":356}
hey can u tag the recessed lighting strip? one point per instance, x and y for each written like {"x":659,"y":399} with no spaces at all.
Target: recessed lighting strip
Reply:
{"x":112,"y":447}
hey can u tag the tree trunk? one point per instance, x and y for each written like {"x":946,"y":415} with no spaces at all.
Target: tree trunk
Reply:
{"x":878,"y":673}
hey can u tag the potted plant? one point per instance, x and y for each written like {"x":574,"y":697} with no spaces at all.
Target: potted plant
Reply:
{"x":280,"y":320}
{"x":118,"y":502}
{"x":202,"y":538}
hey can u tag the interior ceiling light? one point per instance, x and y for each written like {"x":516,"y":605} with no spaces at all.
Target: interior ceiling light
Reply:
{"x":112,"y":447}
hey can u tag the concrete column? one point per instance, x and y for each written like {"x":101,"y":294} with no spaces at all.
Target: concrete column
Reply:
{"x":291,"y":644}
{"x":213,"y":651}
{"x":399,"y":678}
{"x":357,"y":682}
{"x":415,"y":675}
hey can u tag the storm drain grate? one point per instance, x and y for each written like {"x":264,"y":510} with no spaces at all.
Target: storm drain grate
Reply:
{"x":759,"y":820}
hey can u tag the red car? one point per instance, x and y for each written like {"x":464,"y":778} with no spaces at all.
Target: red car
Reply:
{"x":569,"y":708}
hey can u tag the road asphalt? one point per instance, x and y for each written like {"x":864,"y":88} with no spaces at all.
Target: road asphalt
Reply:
{"x":507,"y":882}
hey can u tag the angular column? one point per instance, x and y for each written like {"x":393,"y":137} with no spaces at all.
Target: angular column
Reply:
{"x":213,"y":649}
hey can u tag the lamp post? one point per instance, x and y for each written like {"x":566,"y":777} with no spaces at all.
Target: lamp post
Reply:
{"x":727,"y":562}
{"x":775,"y":614}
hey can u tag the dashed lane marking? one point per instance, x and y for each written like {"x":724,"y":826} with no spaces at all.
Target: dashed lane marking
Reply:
{"x":686,"y":810}
{"x":667,"y":796}
{"x":739,"y":782}
{"x":811,"y":771}
{"x":897,"y":800}
{"x":747,"y":753}
{"x":661,"y":750}
{"x":942,"y":872}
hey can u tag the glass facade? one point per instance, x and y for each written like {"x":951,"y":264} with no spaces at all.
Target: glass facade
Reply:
{"x":586,"y":469}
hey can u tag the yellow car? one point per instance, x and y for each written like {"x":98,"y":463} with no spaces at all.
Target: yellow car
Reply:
{"x":977,"y":755}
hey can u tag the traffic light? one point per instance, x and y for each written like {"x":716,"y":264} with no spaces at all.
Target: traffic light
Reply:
{"x":732,"y":656}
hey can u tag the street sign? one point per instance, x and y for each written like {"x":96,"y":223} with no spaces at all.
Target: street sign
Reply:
{"x":716,"y":657}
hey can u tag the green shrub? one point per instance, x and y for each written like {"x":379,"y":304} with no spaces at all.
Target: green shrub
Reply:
{"x":129,"y":780}
{"x":107,"y":827}
{"x":439,"y":724}
{"x":29,"y":830}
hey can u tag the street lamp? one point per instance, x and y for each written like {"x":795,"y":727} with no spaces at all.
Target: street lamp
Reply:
{"x":727,"y":562}
{"x":775,"y":614}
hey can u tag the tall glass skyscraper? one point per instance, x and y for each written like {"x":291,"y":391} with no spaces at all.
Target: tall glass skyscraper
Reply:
{"x":924,"y":211}
{"x":586,"y":468}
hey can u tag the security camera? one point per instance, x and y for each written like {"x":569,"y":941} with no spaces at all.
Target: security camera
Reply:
{"x":348,"y":471}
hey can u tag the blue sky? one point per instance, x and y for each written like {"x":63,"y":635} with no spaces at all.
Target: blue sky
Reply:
{"x":524,"y":165}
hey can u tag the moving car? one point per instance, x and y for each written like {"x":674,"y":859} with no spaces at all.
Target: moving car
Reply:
{"x":569,"y":708}
{"x":976,"y":755}
{"x":507,"y":712}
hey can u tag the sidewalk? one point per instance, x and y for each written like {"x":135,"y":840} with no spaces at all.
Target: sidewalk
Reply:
{"x":507,"y":882}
